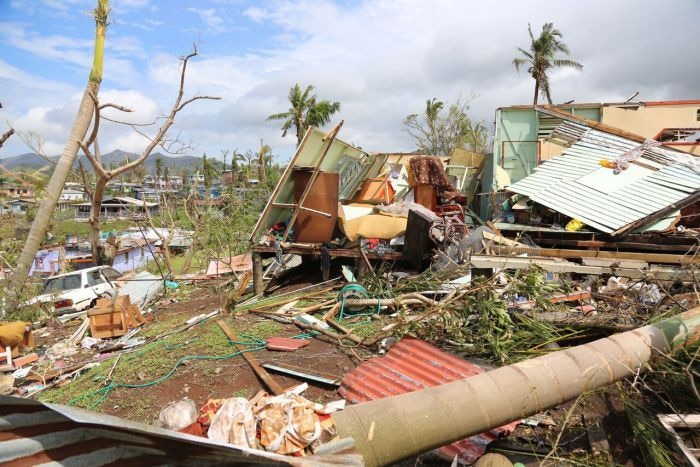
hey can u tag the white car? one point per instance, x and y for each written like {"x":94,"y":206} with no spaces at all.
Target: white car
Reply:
{"x":78,"y":290}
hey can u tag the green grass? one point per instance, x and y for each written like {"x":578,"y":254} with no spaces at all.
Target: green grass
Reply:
{"x":156,"y":359}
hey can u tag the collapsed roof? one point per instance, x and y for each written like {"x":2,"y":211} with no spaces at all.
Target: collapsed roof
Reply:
{"x":657,"y":183}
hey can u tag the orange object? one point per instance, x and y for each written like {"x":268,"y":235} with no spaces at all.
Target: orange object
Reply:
{"x":311,"y":227}
{"x":285,"y":344}
{"x":112,"y":317}
{"x":375,"y":191}
{"x":425,"y":195}
{"x":607,"y":164}
{"x":25,"y":360}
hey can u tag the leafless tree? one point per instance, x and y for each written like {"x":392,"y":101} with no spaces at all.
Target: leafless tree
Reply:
{"x":105,"y":174}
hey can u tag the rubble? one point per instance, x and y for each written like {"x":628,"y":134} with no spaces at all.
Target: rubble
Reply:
{"x":557,"y":294}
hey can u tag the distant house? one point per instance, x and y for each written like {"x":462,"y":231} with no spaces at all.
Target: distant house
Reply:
{"x":133,"y":254}
{"x":68,"y":198}
{"x":147,"y":194}
{"x":176,"y":182}
{"x":180,"y":240}
{"x":124,"y":187}
{"x":118,"y":207}
{"x":17,"y":207}
{"x":72,"y":195}
{"x":46,"y":262}
{"x":14,"y":190}
{"x":196,"y":178}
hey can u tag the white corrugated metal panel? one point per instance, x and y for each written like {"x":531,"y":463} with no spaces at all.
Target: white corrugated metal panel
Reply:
{"x":557,"y":182}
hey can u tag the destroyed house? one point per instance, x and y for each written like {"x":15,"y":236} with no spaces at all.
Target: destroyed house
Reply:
{"x":337,"y":201}
{"x":521,"y":140}
{"x":608,"y":188}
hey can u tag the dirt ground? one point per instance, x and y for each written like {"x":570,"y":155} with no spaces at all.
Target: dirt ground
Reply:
{"x":198,"y":379}
{"x":210,"y":371}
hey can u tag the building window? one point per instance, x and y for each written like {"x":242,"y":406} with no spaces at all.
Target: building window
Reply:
{"x":126,"y":256}
{"x":697,"y":115}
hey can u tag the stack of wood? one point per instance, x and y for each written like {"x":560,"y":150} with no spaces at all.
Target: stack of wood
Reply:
{"x":113,"y":317}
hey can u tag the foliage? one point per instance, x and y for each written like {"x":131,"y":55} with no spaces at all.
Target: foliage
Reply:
{"x":653,"y":439}
{"x":438,"y":133}
{"x":479,"y":322}
{"x":542,"y":57}
{"x":305,"y":111}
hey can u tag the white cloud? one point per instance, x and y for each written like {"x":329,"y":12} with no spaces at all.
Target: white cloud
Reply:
{"x":382,"y":59}
{"x":58,"y":48}
{"x":256,"y":14}
{"x":210,"y":17}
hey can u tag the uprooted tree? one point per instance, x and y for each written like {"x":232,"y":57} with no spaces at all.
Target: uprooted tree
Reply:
{"x":438,"y":133}
{"x":80,"y":128}
{"x":104,"y":175}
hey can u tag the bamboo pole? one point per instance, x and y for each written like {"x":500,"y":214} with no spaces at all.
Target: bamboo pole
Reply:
{"x":388,"y":430}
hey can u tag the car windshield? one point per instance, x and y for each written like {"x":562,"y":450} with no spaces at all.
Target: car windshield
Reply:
{"x":60,"y":284}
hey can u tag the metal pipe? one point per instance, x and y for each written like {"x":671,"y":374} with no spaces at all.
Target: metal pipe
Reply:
{"x":388,"y":430}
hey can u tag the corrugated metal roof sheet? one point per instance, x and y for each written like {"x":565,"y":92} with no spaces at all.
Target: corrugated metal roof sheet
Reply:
{"x":33,"y":433}
{"x":556,"y":183}
{"x":411,"y":365}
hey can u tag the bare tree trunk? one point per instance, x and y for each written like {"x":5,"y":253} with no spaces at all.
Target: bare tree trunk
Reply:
{"x":537,"y":91}
{"x":98,"y":251}
{"x":65,"y":162}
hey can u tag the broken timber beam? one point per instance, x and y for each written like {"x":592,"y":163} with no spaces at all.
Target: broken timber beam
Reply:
{"x":262,"y":373}
{"x":663,"y":273}
{"x":257,"y":273}
{"x":564,"y":253}
{"x":440,"y":415}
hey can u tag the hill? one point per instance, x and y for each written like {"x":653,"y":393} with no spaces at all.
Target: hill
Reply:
{"x":33,"y":161}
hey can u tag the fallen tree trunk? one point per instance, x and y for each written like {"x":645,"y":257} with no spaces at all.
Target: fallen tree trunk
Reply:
{"x":388,"y":430}
{"x":575,"y":320}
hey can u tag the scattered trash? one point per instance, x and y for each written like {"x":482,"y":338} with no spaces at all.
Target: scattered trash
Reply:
{"x":179,"y":414}
{"x":285,"y":344}
{"x":7,"y":384}
{"x":286,"y":423}
{"x":89,"y":342}
{"x":61,"y":350}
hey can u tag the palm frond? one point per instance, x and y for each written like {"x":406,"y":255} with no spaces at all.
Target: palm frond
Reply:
{"x":279,"y":116}
{"x":569,"y":63}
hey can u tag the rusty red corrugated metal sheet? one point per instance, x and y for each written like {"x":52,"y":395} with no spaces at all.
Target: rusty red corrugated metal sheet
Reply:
{"x":411,"y":365}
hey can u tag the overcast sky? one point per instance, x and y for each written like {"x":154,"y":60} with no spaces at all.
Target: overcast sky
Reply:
{"x":381,"y":59}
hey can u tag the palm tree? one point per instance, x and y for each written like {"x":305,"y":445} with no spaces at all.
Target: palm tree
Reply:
{"x":305,"y":111}
{"x":541,"y":57}
{"x":208,"y":171}
{"x":159,"y":168}
{"x":166,"y":175}
{"x":264,"y":155}
{"x":81,"y":124}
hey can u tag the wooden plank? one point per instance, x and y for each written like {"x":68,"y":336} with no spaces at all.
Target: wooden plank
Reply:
{"x":676,"y":420}
{"x":303,"y":208}
{"x":282,"y":181}
{"x":564,"y":253}
{"x":607,"y":263}
{"x":678,"y":248}
{"x":258,"y":285}
{"x":315,"y":250}
{"x":663,"y":273}
{"x":262,"y":373}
